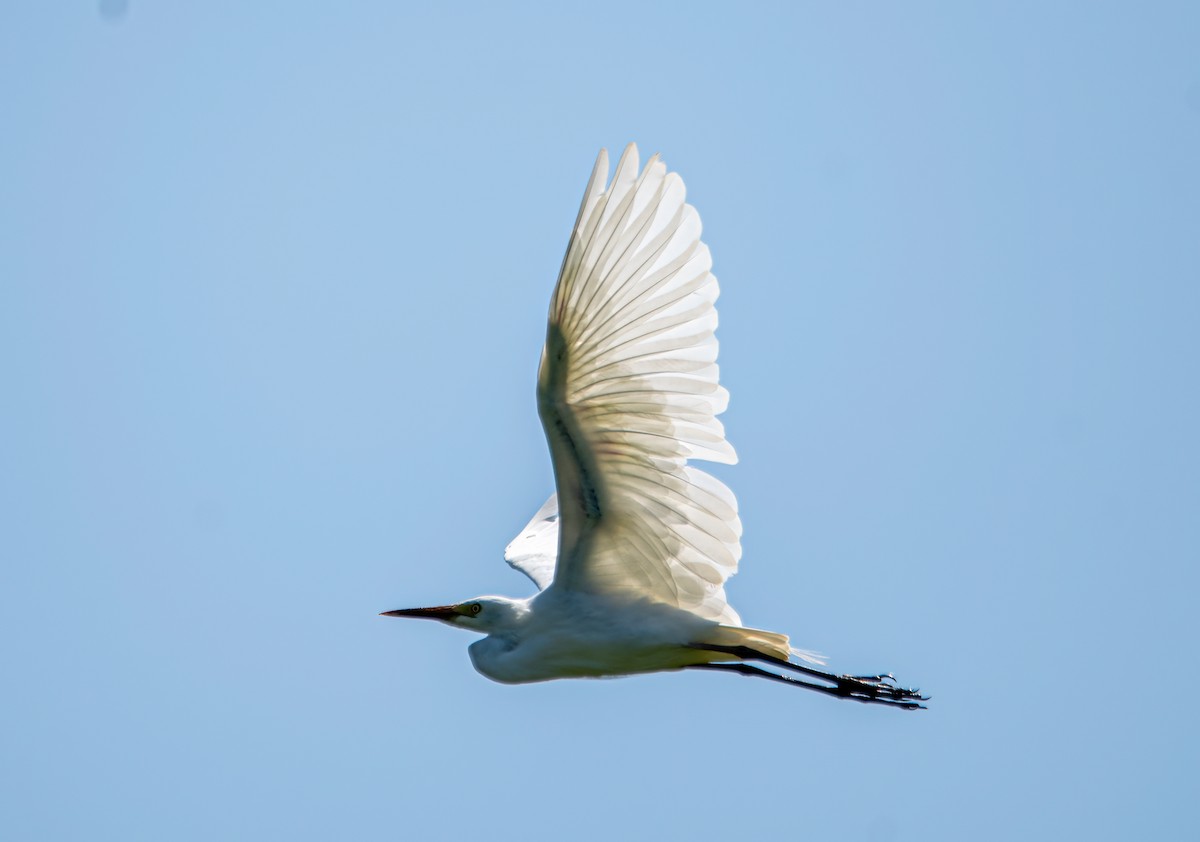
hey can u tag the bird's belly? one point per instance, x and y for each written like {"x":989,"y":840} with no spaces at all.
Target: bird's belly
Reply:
{"x":548,"y":658}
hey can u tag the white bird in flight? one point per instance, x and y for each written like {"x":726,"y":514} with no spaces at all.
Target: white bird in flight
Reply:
{"x":631,"y":554}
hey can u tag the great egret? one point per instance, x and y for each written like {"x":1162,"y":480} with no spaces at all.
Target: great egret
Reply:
{"x":631,"y":554}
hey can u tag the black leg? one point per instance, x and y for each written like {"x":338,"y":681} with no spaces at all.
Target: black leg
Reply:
{"x":877,"y":689}
{"x":751,"y":670}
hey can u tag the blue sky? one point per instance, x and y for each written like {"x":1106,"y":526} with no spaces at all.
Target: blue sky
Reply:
{"x":272,"y":286}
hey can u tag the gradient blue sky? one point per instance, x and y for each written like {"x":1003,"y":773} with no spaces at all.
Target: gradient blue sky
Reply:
{"x":272,"y":286}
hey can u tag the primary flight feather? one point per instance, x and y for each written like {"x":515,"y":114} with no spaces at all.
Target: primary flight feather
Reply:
{"x":631,"y":553}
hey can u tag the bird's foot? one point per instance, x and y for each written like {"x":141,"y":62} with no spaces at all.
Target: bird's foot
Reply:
{"x":878,"y":688}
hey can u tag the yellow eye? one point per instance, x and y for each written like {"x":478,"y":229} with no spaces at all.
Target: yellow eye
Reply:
{"x":475,"y":608}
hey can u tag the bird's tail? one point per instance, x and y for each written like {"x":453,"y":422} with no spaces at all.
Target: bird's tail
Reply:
{"x":772,"y":644}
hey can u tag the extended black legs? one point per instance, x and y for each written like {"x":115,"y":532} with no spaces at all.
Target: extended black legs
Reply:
{"x":869,"y":689}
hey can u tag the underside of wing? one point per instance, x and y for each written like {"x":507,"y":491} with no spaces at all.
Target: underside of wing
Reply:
{"x":628,"y":393}
{"x":534,"y":551}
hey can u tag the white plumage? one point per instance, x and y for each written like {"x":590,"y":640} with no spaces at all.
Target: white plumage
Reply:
{"x":628,"y":392}
{"x":632,"y":552}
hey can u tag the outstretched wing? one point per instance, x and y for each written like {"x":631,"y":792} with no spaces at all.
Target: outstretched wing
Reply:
{"x":534,"y":551}
{"x":628,"y":393}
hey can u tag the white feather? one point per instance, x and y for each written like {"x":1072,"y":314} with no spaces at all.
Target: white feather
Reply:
{"x":534,"y":551}
{"x":628,"y":392}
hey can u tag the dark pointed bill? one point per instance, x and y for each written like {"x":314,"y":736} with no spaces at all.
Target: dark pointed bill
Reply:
{"x":441,"y":612}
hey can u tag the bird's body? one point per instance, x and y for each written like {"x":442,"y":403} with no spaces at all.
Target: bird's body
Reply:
{"x":566,"y":635}
{"x":562,"y":634}
{"x":632,"y":552}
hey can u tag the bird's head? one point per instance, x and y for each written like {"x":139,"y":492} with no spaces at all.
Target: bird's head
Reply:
{"x":483,"y":613}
